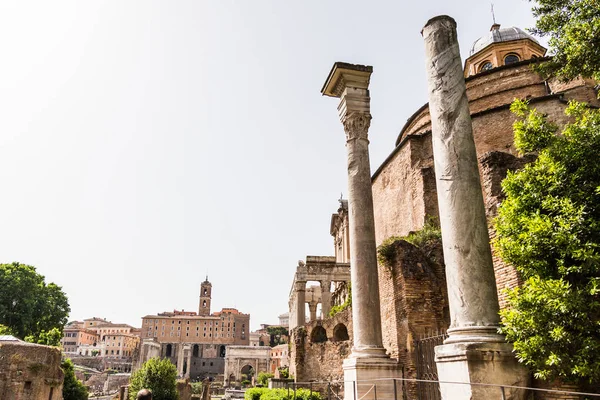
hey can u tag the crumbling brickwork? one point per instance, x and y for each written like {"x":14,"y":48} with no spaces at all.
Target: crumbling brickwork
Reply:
{"x":30,"y":371}
{"x":413,"y":301}
{"x":317,"y":358}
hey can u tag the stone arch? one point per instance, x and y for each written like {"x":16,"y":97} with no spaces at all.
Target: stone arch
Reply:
{"x":340,"y":333}
{"x":169,"y":350}
{"x":195,"y":350}
{"x":247,"y":372}
{"x":318,"y":335}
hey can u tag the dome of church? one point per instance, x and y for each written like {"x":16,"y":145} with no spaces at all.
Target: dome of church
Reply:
{"x":497,"y":35}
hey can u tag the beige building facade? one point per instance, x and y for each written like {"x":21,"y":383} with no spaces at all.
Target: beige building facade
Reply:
{"x":196,"y":342}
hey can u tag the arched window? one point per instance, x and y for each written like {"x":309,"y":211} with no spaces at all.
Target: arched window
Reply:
{"x":204,"y":303}
{"x":486,"y":65}
{"x":340,"y":333}
{"x":222,"y":351}
{"x":195,"y":350}
{"x":318,"y":335}
{"x":511,"y":59}
{"x":169,"y":350}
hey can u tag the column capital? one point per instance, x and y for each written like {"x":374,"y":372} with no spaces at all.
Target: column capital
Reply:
{"x":300,"y":286}
{"x":350,"y":83}
{"x":356,"y":125}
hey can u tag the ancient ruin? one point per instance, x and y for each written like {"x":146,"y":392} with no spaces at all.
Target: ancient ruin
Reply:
{"x":29,"y":371}
{"x":244,"y":363}
{"x":414,"y":301}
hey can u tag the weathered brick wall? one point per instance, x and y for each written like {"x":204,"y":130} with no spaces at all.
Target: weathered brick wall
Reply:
{"x":413,"y":302}
{"x":404,"y":190}
{"x":311,"y":361}
{"x":30,"y":371}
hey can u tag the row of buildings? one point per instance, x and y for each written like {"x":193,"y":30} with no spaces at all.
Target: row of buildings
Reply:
{"x":197,"y":342}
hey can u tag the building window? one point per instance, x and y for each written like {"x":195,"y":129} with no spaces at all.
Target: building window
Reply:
{"x":485,"y":66}
{"x":511,"y":59}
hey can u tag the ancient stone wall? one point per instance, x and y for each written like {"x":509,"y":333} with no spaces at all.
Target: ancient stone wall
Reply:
{"x":30,"y":371}
{"x":96,"y":363}
{"x":318,"y":348}
{"x":414,"y":301}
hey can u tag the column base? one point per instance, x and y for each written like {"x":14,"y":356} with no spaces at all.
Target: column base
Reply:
{"x":370,"y":378}
{"x":477,"y":362}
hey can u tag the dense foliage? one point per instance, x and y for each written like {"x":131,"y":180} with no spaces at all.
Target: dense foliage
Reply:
{"x":263,"y":378}
{"x":430,"y":232}
{"x":549,"y":229}
{"x":573,"y":28}
{"x":280,"y":394}
{"x":277,"y":334}
{"x":73,"y":389}
{"x":158,"y":375}
{"x":50,"y":338}
{"x":29,"y":306}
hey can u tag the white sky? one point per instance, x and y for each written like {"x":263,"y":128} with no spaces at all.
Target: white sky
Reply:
{"x":144,"y":144}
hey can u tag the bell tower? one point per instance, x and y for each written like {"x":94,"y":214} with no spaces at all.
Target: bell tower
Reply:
{"x":205,"y":294}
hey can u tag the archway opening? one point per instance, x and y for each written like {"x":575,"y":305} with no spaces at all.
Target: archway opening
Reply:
{"x":318,"y":335}
{"x":195,"y":350}
{"x":340,"y":333}
{"x":247,"y":372}
{"x":169,"y":350}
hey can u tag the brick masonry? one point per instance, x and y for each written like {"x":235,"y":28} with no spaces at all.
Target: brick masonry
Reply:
{"x":414,"y":302}
{"x":313,"y":360}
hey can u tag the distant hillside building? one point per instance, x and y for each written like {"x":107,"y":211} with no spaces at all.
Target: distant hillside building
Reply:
{"x":195,"y":342}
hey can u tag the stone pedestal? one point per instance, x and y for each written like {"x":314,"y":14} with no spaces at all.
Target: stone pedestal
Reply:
{"x":371,"y":378}
{"x":491,"y":363}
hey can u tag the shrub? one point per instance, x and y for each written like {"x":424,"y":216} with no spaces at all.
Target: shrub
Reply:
{"x":430,"y":232}
{"x":280,"y":394}
{"x":548,"y":227}
{"x":158,"y":375}
{"x":263,"y":378}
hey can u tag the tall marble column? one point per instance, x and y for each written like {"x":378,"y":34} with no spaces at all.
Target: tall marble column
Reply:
{"x":325,"y":297}
{"x":466,"y":355}
{"x":368,"y":360}
{"x":300,"y":287}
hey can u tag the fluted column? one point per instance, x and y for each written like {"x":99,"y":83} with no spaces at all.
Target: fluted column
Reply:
{"x":350,"y":83}
{"x":325,"y":297}
{"x":300,"y":288}
{"x":469,"y":267}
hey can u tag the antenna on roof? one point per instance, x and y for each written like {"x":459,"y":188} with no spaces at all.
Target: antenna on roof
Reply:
{"x":493,"y":15}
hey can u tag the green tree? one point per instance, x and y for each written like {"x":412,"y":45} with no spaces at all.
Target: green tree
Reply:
{"x":5,"y":330}
{"x":277,"y":335}
{"x":29,"y":306}
{"x":158,"y":375}
{"x":50,"y":338}
{"x":573,"y":29}
{"x":73,"y":389}
{"x":548,"y":227}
